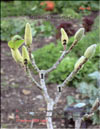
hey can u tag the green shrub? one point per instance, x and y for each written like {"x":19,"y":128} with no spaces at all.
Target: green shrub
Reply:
{"x":70,"y":13}
{"x":96,"y":22}
{"x":63,"y":70}
{"x":72,"y":7}
{"x":49,"y":53}
{"x":13,"y":26}
{"x":32,"y":8}
{"x":21,"y":8}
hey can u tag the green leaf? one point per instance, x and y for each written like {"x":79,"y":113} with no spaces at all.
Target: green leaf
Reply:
{"x":15,"y":44}
{"x":11,"y":44}
{"x":18,"y":43}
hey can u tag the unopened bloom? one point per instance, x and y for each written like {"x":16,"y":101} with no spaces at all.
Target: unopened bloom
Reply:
{"x":25,"y":55}
{"x":64,"y":37}
{"x":80,"y":61}
{"x":90,"y":51}
{"x":28,"y":35}
{"x":17,"y":55}
{"x":79,"y":34}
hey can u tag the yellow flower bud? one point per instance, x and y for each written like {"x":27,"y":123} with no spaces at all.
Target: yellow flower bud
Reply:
{"x":80,"y":61}
{"x":79,"y":34}
{"x":64,"y":37}
{"x":25,"y":55}
{"x":90,"y":51}
{"x":28,"y":35}
{"x":16,"y":55}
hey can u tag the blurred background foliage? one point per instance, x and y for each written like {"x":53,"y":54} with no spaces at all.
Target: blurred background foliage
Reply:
{"x":31,"y":8}
{"x":21,"y":9}
{"x":11,"y":27}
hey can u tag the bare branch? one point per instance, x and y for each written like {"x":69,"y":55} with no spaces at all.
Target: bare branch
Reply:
{"x":33,"y":80}
{"x":32,"y":59}
{"x":34,"y":64}
{"x":61,"y":57}
{"x":95,"y":105}
{"x":48,"y":99}
{"x":73,"y":73}
{"x":42,"y":82}
{"x":57,"y":97}
{"x":57,"y":63}
{"x":67,"y":80}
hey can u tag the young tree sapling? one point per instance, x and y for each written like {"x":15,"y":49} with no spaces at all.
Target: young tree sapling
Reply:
{"x":27,"y":58}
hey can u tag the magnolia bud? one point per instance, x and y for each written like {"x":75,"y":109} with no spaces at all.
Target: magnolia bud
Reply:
{"x":64,"y":37}
{"x":80,"y":61}
{"x":79,"y":34}
{"x":16,"y":55}
{"x":25,"y":55}
{"x":28,"y":35}
{"x":90,"y":51}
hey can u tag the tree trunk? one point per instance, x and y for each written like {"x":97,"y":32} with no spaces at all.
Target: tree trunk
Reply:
{"x":50,"y":106}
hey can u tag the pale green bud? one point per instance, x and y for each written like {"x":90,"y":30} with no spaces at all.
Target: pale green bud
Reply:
{"x":64,"y":37}
{"x":25,"y":55}
{"x":80,"y":61}
{"x":90,"y":51}
{"x":79,"y":34}
{"x":16,"y":55}
{"x":28,"y":35}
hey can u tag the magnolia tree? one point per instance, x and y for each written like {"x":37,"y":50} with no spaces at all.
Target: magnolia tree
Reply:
{"x":27,"y":58}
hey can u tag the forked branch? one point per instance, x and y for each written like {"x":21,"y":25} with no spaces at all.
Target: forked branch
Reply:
{"x":27,"y":58}
{"x":64,"y":53}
